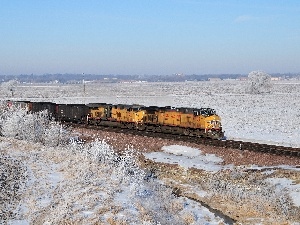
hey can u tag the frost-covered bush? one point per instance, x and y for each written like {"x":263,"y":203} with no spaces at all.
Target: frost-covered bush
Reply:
{"x":259,"y":82}
{"x":131,"y":198}
{"x":8,"y":88}
{"x":37,"y":127}
{"x":160,"y":203}
{"x":124,"y":167}
{"x":12,"y":177}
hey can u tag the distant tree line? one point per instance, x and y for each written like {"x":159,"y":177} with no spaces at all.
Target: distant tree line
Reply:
{"x":77,"y":78}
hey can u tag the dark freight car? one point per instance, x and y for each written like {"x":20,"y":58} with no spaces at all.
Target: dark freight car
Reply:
{"x":41,"y":106}
{"x":76,"y":113}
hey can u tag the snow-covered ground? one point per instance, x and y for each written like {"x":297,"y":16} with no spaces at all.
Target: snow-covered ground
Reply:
{"x":269,"y":118}
{"x":71,"y":184}
{"x":84,"y":185}
{"x":187,"y":157}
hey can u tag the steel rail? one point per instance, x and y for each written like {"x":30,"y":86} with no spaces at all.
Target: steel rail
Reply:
{"x":240,"y":145}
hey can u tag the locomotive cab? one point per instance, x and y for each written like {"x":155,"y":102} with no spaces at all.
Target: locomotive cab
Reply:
{"x":213,"y":126}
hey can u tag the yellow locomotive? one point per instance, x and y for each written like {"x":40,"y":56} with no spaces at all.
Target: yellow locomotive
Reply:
{"x":203,"y":122}
{"x":126,"y":116}
{"x":187,"y":121}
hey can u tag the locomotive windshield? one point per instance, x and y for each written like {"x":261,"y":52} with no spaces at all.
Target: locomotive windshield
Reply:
{"x":207,"y":111}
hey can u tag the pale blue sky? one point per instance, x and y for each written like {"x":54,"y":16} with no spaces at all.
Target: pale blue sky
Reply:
{"x":149,"y":36}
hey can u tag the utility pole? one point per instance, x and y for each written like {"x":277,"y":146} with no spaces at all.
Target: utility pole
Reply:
{"x":83,"y":84}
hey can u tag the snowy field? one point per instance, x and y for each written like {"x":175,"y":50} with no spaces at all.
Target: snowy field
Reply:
{"x":268,"y":118}
{"x":71,"y":183}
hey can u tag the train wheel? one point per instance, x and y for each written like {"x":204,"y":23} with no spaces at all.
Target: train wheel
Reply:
{"x":129,"y":126}
{"x":149,"y":128}
{"x":198,"y":133}
{"x":141,"y":126}
{"x":158,"y":129}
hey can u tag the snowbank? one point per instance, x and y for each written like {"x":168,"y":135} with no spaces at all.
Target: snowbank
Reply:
{"x":187,"y":157}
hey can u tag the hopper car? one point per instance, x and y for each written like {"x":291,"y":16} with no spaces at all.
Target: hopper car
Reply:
{"x":201,"y":122}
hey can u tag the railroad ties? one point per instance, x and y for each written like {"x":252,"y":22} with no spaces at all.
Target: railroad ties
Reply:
{"x":251,"y":146}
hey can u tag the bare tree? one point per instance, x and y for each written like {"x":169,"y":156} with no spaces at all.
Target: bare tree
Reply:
{"x":259,"y":82}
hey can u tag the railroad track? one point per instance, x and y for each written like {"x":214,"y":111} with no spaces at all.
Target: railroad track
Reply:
{"x":241,"y":145}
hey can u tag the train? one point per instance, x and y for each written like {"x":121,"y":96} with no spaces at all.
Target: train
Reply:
{"x":199,"y":122}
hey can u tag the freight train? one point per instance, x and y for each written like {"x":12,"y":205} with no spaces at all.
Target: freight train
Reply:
{"x":200,"y":122}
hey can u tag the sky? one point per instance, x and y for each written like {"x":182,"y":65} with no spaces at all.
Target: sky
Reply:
{"x":149,"y":37}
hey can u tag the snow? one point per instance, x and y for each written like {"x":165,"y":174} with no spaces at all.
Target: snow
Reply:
{"x":268,"y":118}
{"x":270,"y":168}
{"x":19,"y":222}
{"x":182,"y":150}
{"x":83,"y":184}
{"x":203,"y":214}
{"x":187,"y":157}
{"x":293,"y":189}
{"x":272,"y":118}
